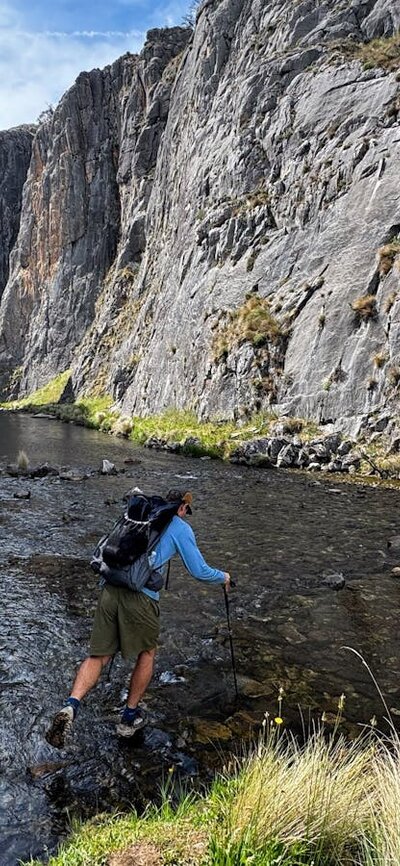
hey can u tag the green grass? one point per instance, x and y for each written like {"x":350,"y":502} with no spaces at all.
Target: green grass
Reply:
{"x":327,"y":802}
{"x":49,"y":393}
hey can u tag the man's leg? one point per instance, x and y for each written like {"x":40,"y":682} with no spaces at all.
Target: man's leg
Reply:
{"x":133,"y":718}
{"x":141,"y":676}
{"x":86,"y":677}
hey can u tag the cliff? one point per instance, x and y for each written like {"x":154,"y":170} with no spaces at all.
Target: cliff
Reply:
{"x":216,"y":223}
{"x":15,"y":154}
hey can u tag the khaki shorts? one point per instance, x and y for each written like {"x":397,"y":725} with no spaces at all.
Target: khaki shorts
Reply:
{"x":126,"y":622}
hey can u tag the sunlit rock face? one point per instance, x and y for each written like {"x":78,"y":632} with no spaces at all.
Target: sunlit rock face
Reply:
{"x":216,"y":224}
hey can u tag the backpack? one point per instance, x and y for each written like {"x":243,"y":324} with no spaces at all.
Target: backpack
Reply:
{"x":123,"y":557}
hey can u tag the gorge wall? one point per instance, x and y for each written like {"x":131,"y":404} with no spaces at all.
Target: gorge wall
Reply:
{"x":15,"y":154}
{"x":215,"y":224}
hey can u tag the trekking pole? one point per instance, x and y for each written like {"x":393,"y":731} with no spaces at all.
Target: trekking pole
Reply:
{"x":228,"y":619}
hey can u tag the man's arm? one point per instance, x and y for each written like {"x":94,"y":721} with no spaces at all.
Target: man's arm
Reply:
{"x":193,"y":559}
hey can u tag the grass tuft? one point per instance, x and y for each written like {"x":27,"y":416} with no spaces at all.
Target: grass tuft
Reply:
{"x":365,"y":307}
{"x":252,"y":323}
{"x":387,"y":256}
{"x":22,"y":461}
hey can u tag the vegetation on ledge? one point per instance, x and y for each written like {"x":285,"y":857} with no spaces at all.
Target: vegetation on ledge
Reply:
{"x":328,"y":803}
{"x":182,"y":431}
{"x":198,"y":438}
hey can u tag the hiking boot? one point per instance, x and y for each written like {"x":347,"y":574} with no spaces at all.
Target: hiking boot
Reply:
{"x":131,"y":722}
{"x":60,"y":727}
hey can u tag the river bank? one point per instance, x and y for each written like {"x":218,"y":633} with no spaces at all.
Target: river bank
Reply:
{"x":264,"y":440}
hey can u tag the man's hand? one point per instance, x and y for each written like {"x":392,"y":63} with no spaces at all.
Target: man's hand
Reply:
{"x":227,"y":581}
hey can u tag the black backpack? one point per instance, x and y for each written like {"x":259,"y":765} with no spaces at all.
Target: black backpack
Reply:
{"x":123,"y":557}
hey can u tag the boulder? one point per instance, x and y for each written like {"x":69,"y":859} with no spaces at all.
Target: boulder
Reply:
{"x":275,"y":447}
{"x":288,"y":456}
{"x":108,"y":468}
{"x":334,"y":579}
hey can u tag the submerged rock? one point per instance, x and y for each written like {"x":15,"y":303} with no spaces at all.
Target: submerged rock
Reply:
{"x":333,"y":579}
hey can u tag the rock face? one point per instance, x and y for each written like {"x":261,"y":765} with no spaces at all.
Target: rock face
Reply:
{"x":15,"y":154}
{"x":216,"y":224}
{"x":73,"y":215}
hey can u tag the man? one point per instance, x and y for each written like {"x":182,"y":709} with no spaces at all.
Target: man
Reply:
{"x":128,"y":622}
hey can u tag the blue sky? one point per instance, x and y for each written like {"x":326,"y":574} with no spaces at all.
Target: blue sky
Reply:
{"x":44,"y":45}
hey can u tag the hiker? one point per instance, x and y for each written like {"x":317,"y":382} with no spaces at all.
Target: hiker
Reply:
{"x":127,"y":621}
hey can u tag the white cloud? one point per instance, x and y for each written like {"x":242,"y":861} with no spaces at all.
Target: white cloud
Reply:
{"x":37,"y":68}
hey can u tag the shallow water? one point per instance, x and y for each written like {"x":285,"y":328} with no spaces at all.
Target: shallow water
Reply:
{"x":275,"y":532}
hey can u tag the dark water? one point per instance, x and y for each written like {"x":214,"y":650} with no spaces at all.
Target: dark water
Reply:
{"x":275,"y":532}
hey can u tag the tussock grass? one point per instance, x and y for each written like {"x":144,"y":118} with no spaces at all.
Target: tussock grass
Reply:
{"x":365,"y":307}
{"x":22,"y":460}
{"x":383,"y":52}
{"x":388,"y":255}
{"x":327,"y":802}
{"x":253,"y":322}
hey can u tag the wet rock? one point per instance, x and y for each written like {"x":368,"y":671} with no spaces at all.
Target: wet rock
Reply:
{"x":288,"y":456}
{"x":205,"y":731}
{"x":43,"y":471}
{"x":291,"y":633}
{"x":332,"y":442}
{"x":333,"y":579}
{"x":344,"y":448}
{"x":318,"y":452}
{"x":155,"y":442}
{"x":26,"y":495}
{"x":394,"y":542}
{"x":39,"y":770}
{"x":253,"y":688}
{"x":395,"y":446}
{"x":260,"y":460}
{"x":335,"y":466}
{"x":351,"y":459}
{"x":132,"y":461}
{"x":275,"y":447}
{"x":73,"y":475}
{"x":303,"y":458}
{"x":243,"y":723}
{"x":108,"y":468}
{"x":249,"y":453}
{"x":169,"y":678}
{"x":15,"y":471}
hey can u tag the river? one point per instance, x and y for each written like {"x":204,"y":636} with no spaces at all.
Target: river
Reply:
{"x":277,"y":533}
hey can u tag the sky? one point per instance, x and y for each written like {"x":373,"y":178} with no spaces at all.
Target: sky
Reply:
{"x":44,"y":44}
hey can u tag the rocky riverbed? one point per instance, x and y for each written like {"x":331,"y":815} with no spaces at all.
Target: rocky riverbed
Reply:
{"x":314,"y":573}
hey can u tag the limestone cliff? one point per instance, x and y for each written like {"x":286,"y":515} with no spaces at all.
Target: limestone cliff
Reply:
{"x":15,"y":154}
{"x":220,"y":229}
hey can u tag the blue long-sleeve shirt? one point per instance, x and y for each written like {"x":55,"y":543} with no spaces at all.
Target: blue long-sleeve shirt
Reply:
{"x":180,"y":538}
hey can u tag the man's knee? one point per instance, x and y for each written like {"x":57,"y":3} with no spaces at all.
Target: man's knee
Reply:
{"x":146,"y":656}
{"x":102,"y":659}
